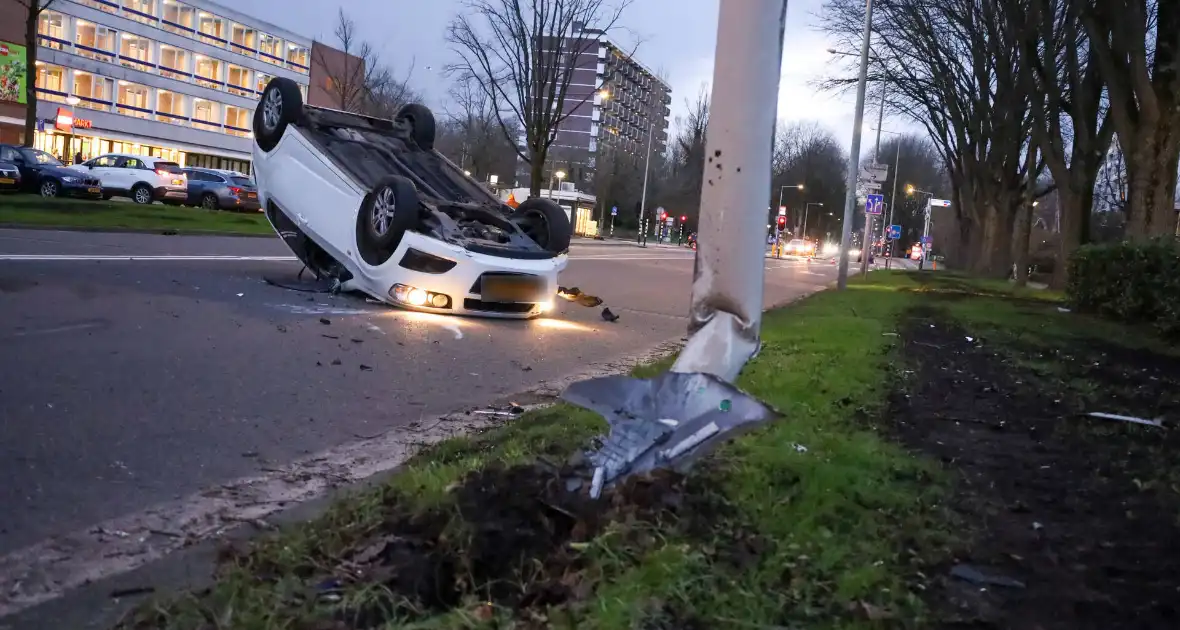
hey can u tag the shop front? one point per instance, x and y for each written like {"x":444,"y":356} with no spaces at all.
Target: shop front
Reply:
{"x":73,"y":140}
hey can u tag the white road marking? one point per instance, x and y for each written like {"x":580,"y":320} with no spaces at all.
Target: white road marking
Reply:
{"x":322,"y":309}
{"x":99,"y":258}
{"x":58,"y":329}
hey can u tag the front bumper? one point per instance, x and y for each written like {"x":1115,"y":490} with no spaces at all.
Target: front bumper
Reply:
{"x":81,"y":190}
{"x":10,"y":181}
{"x":462,"y":282}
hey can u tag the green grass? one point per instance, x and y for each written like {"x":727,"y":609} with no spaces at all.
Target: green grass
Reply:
{"x":35,"y":211}
{"x":839,"y":516}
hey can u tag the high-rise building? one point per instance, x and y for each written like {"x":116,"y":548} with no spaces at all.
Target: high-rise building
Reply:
{"x":166,"y":78}
{"x":614,"y":101}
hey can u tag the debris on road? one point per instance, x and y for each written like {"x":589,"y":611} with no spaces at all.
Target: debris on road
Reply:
{"x":665,"y":422}
{"x":609,"y":316}
{"x":1158,"y":422}
{"x":366,"y":368}
{"x":336,"y":361}
{"x":330,"y":336}
{"x":132,"y":591}
{"x":325,"y":321}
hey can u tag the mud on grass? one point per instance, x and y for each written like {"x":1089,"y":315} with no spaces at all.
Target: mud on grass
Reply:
{"x":1083,"y":513}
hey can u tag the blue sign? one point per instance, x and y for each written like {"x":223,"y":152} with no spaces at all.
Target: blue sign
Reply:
{"x":894,"y":232}
{"x":926,"y":241}
{"x":874,"y":204}
{"x":614,"y":211}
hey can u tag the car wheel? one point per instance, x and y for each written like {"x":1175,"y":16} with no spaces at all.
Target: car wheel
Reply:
{"x":209,"y":202}
{"x":107,"y":196}
{"x":545,"y":222}
{"x":387,"y":213}
{"x":421,"y":121}
{"x":141,"y":194}
{"x":50,"y":188}
{"x":281,"y":104}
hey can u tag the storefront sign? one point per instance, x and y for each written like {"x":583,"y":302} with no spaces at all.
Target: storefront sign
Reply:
{"x":66,"y":122}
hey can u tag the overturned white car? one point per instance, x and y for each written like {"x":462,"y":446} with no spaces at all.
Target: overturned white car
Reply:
{"x":369,"y":203}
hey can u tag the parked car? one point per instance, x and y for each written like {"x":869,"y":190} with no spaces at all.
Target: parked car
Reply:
{"x":216,"y":189}
{"x":799,"y":247}
{"x":142,"y":178}
{"x":370,"y":204}
{"x":10,"y":179}
{"x":40,"y":172}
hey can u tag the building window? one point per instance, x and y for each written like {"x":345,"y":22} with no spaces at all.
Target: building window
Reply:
{"x":207,"y":72}
{"x":237,"y":121}
{"x":261,"y":79}
{"x":297,"y":57}
{"x":51,"y":28}
{"x":135,"y":52}
{"x":93,"y":92}
{"x":243,"y":39}
{"x":140,"y":10}
{"x":205,"y":115}
{"x":132,"y":100}
{"x":178,"y":17}
{"x":94,"y":41}
{"x":239,"y":81}
{"x":101,"y":5}
{"x":51,"y":82}
{"x":174,"y":62}
{"x":170,"y":107}
{"x":210,"y":29}
{"x":271,"y":48}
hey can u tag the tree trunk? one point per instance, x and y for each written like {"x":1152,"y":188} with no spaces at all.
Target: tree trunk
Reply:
{"x":1021,"y":232}
{"x":1071,"y":209}
{"x":31,"y":74}
{"x":1151,"y":171}
{"x":536,"y":171}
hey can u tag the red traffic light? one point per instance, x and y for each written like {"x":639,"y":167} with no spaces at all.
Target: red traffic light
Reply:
{"x":683,"y":218}
{"x":663,"y":215}
{"x":782,"y":221}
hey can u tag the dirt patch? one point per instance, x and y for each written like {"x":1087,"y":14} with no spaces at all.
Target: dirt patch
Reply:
{"x":1066,"y":521}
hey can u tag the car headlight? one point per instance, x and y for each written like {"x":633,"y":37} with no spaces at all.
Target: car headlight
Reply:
{"x":855,"y":253}
{"x":70,"y":179}
{"x":414,"y":296}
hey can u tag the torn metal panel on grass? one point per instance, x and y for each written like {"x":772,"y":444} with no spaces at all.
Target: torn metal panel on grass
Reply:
{"x":665,"y":422}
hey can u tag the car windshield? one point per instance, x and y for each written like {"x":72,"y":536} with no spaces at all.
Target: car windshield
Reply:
{"x":241,"y":181}
{"x":41,"y":157}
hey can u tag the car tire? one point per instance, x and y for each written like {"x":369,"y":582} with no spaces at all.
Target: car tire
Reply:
{"x":545,"y":222}
{"x":209,"y":202}
{"x":107,"y":196}
{"x":50,"y":188}
{"x":281,"y":104}
{"x":141,"y":194}
{"x":421,"y":122}
{"x":387,"y":213}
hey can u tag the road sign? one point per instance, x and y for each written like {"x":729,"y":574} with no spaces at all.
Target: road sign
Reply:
{"x":875,"y":173}
{"x":874,"y":204}
{"x":940,"y":203}
{"x":614,"y":211}
{"x":926,"y":240}
{"x":894,"y":232}
{"x":782,"y":211}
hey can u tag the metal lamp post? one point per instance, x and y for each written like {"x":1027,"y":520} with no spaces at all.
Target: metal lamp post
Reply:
{"x":854,"y":154}
{"x":805,"y":211}
{"x":926,"y":224}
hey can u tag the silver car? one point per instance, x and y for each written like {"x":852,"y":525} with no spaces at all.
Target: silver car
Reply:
{"x":216,"y":189}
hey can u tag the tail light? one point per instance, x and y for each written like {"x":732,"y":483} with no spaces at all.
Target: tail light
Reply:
{"x":163,"y":173}
{"x":235,"y":190}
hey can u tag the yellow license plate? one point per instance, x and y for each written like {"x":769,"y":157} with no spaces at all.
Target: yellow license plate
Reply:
{"x":94,"y":190}
{"x":251,"y":195}
{"x":7,"y":180}
{"x":178,"y":182}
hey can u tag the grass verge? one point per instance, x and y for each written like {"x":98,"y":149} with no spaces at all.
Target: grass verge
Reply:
{"x":813,"y":521}
{"x":35,"y":211}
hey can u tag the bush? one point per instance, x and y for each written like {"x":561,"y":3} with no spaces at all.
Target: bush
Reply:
{"x":1136,"y":283}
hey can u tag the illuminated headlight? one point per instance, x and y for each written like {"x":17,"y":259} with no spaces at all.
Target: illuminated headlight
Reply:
{"x":545,"y":307}
{"x":854,"y":253}
{"x":69,"y":179}
{"x":414,"y":296}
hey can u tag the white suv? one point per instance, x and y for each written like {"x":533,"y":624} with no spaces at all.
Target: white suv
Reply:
{"x":142,"y":178}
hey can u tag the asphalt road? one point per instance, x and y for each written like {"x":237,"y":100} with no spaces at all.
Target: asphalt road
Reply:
{"x":126,"y":383}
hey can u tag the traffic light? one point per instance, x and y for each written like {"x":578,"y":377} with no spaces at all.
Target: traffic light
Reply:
{"x":663,"y":215}
{"x":782,"y":222}
{"x":683,"y":218}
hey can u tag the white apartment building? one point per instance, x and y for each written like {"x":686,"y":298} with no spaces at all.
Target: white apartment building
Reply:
{"x":165,"y":78}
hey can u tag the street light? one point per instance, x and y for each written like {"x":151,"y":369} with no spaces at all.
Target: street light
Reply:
{"x":805,"y":210}
{"x":854,"y":154}
{"x":559,"y":175}
{"x":781,"y":189}
{"x":910,"y":190}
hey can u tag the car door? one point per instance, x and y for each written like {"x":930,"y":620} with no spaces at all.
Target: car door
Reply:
{"x":197,"y":182}
{"x":131,"y":171}
{"x":103,"y":167}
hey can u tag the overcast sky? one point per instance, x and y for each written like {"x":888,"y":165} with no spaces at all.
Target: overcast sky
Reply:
{"x":678,"y":43}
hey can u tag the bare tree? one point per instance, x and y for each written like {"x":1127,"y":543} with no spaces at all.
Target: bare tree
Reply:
{"x":1136,"y":45}
{"x":687,"y":157}
{"x":357,"y":80}
{"x":523,"y":55}
{"x":475,"y":140}
{"x":33,"y":10}
{"x":1070,"y":125}
{"x":807,"y":154}
{"x":953,"y":66}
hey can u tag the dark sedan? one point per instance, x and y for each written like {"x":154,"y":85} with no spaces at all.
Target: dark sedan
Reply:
{"x":9,"y":176}
{"x":42,"y":173}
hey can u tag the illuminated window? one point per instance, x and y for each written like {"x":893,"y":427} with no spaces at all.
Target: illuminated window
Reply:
{"x":132,"y":100}
{"x":270,"y":47}
{"x":173,"y":62}
{"x":93,"y":92}
{"x":101,"y":6}
{"x":140,"y":10}
{"x":95,"y":41}
{"x":239,"y":81}
{"x":205,"y":114}
{"x":207,"y":72}
{"x":297,"y":57}
{"x":135,"y":51}
{"x":52,"y":80}
{"x":260,"y":82}
{"x":170,"y":107}
{"x":237,"y":121}
{"x":51,"y":24}
{"x":178,"y":17}
{"x":243,"y":39}
{"x":210,"y":28}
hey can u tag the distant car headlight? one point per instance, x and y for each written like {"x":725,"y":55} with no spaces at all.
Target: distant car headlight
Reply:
{"x":854,"y":253}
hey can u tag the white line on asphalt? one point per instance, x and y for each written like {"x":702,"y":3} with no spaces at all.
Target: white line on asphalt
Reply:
{"x":97,"y":257}
{"x":59,"y":329}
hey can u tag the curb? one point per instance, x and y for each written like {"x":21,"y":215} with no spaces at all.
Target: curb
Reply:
{"x":122,"y":230}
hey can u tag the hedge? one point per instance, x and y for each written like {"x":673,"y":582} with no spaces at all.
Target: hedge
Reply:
{"x":1136,"y":283}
